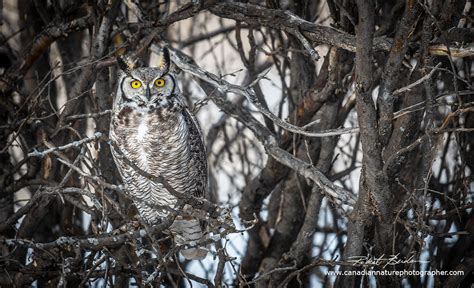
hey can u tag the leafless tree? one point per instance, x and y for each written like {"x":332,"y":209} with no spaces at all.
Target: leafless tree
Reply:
{"x":339,"y":135}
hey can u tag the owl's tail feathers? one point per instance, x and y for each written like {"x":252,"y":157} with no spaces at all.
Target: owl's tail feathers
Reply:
{"x":188,"y":232}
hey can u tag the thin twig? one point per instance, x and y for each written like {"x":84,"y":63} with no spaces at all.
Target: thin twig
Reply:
{"x":417,"y":82}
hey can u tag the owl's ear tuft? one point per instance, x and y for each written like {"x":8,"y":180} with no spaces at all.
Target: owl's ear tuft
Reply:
{"x":164,"y":61}
{"x":126,"y":64}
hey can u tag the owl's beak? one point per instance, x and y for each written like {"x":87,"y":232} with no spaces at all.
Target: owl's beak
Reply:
{"x":148,"y":93}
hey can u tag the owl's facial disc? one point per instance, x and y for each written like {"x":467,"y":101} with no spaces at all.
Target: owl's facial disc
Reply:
{"x":147,"y":88}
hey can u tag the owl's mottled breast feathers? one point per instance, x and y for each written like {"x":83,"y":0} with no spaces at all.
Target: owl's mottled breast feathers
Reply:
{"x":160,"y":142}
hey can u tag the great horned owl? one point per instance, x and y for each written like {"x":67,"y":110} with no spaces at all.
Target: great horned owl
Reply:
{"x":152,"y":128}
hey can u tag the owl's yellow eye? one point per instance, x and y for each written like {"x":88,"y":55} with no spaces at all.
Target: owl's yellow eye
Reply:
{"x":160,"y":82}
{"x":136,"y":84}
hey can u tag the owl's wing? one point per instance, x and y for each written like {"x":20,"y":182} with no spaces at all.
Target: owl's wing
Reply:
{"x":198,"y":154}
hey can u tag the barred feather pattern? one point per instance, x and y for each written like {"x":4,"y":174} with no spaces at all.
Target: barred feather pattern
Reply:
{"x":163,"y":140}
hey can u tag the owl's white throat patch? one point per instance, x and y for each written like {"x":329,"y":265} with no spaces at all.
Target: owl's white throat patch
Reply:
{"x":142,"y":130}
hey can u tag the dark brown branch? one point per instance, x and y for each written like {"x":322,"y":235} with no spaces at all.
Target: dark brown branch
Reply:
{"x":371,"y":146}
{"x":390,"y":75}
